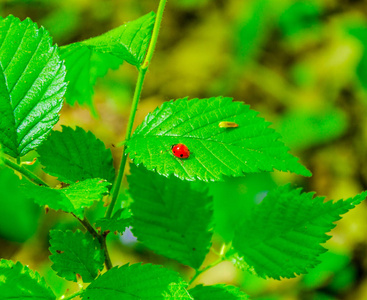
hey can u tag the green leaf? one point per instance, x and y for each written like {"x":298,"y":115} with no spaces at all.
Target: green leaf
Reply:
{"x":252,"y":147}
{"x":19,"y":282}
{"x":75,"y":155}
{"x":31,"y":85}
{"x":75,"y":253}
{"x":128,"y":42}
{"x":73,"y":198}
{"x":281,"y":237}
{"x":145,"y":282}
{"x":119,"y":221}
{"x":84,"y":193}
{"x":177,"y":291}
{"x":170,"y":216}
{"x":19,"y":216}
{"x":83,"y":67}
{"x":217,"y":292}
{"x":86,"y":61}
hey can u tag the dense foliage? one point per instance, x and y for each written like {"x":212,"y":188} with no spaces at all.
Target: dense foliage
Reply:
{"x":177,"y":208}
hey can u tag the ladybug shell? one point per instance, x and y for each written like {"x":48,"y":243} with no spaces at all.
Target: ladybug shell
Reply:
{"x":180,"y":151}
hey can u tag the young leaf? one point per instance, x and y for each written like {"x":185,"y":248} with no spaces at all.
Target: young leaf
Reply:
{"x":170,"y":217}
{"x":145,"y":282}
{"x":217,"y":292}
{"x":73,"y":198}
{"x":86,"y":61}
{"x":19,"y":282}
{"x":252,"y":147}
{"x":73,"y":155}
{"x":31,"y":85}
{"x":75,"y":253}
{"x":119,"y":221}
{"x":281,"y":237}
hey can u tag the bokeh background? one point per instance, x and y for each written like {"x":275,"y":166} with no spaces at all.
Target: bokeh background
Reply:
{"x":301,"y":64}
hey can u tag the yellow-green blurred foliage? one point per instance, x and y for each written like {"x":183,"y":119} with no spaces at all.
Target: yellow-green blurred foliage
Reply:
{"x":301,"y":64}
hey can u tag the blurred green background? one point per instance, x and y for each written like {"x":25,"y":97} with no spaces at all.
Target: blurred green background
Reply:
{"x":301,"y":64}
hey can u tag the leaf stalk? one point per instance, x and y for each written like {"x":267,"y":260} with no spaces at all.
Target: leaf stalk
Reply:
{"x":199,"y":272}
{"x":21,"y":169}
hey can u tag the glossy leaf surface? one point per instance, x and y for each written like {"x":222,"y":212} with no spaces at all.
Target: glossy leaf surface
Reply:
{"x":31,"y":85}
{"x":252,"y":147}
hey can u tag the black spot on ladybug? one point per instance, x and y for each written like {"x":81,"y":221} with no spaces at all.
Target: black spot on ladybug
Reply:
{"x":181,"y":155}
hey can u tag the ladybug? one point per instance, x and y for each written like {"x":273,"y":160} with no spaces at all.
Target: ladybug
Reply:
{"x":180,"y":151}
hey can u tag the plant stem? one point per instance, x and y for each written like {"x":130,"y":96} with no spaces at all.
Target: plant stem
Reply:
{"x":138,"y":89}
{"x":73,"y":295}
{"x":153,"y":41}
{"x":199,"y":272}
{"x":36,"y":180}
{"x":30,"y":175}
{"x":107,"y":259}
{"x":102,"y":239}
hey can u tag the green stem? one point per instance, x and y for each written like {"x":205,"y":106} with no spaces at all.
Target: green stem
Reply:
{"x":102,"y":239}
{"x":153,"y":41}
{"x":30,"y":175}
{"x":138,"y":89}
{"x":73,"y":295}
{"x":199,"y":272}
{"x":107,"y":259}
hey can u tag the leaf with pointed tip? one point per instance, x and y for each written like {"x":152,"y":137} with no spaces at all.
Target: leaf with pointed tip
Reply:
{"x":87,"y":60}
{"x":145,"y":282}
{"x":119,"y":221}
{"x":19,"y":282}
{"x":31,"y":85}
{"x":76,"y":155}
{"x":170,"y":216}
{"x":73,"y":198}
{"x":75,"y":253}
{"x":252,"y":147}
{"x":217,"y":292}
{"x":281,"y":237}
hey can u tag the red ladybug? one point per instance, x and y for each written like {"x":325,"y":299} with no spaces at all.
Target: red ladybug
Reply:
{"x":180,"y":151}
